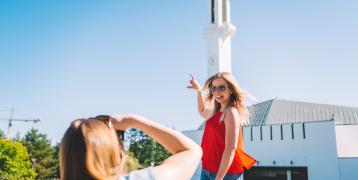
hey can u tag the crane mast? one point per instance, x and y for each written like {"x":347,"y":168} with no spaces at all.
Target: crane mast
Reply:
{"x":11,"y":120}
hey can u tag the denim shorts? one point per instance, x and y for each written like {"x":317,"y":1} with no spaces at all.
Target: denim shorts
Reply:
{"x":205,"y":175}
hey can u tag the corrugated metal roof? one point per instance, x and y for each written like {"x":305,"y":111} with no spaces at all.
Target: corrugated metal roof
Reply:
{"x":283,"y":111}
{"x":277,"y":111}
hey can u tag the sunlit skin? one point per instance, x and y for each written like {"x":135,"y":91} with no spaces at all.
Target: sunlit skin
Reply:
{"x":221,"y":97}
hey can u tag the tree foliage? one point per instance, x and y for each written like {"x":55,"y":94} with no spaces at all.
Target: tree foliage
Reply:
{"x":131,"y":163}
{"x":14,"y":161}
{"x":42,"y":152}
{"x":145,"y":149}
{"x":56,"y":173}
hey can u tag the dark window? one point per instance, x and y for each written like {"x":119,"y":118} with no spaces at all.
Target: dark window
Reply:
{"x":252,"y":138}
{"x":212,"y":11}
{"x":304,"y":131}
{"x":281,"y":132}
{"x":271,"y":132}
{"x":224,"y":10}
{"x":293,"y":133}
{"x":261,"y":133}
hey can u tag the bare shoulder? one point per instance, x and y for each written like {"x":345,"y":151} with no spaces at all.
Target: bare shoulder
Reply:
{"x":231,"y":115}
{"x":232,"y":111}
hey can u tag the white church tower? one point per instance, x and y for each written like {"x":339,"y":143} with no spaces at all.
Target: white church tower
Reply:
{"x":218,"y":34}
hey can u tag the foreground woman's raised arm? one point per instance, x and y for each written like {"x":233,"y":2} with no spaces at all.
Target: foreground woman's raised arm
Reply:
{"x":186,"y":153}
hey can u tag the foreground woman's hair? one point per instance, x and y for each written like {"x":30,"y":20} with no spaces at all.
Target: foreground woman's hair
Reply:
{"x":90,"y":149}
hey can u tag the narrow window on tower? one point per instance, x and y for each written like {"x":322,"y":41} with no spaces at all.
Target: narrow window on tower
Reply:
{"x":212,"y":11}
{"x":224,"y":10}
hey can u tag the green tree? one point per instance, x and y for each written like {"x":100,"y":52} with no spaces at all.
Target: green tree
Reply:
{"x":131,"y":163}
{"x":56,"y":173}
{"x":14,"y":161}
{"x":146,"y":150}
{"x":41,"y":152}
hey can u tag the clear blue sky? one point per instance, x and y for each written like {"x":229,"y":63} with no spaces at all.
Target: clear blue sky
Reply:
{"x":62,"y":60}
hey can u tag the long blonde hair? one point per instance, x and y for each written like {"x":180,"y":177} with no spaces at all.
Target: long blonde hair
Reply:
{"x":90,"y":149}
{"x":237,"y":97}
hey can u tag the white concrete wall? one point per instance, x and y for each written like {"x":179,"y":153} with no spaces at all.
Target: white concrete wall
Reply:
{"x":281,"y":151}
{"x":348,"y":168}
{"x":321,"y":151}
{"x":195,"y":135}
{"x":347,"y":141}
{"x":317,"y":151}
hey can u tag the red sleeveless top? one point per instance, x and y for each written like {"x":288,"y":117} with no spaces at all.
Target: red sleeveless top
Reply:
{"x":213,"y":145}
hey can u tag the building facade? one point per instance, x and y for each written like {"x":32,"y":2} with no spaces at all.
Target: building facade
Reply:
{"x":298,"y":141}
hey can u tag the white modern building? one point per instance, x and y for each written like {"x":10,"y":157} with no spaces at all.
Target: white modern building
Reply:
{"x":299,"y":141}
{"x":289,"y":139}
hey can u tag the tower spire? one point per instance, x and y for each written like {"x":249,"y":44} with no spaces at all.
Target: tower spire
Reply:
{"x":218,"y":35}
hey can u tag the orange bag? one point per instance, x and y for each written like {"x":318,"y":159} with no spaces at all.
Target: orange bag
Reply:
{"x":247,"y":161}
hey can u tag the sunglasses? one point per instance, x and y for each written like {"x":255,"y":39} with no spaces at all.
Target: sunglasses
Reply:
{"x":107,"y":120}
{"x":220,"y":89}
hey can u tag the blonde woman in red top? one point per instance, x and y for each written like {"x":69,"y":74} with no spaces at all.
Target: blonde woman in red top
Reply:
{"x":225,"y":112}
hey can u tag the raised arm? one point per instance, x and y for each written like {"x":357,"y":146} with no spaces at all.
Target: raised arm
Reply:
{"x":202,"y":109}
{"x":186,"y":153}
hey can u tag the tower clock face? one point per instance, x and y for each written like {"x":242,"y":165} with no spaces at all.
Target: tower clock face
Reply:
{"x":211,"y":60}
